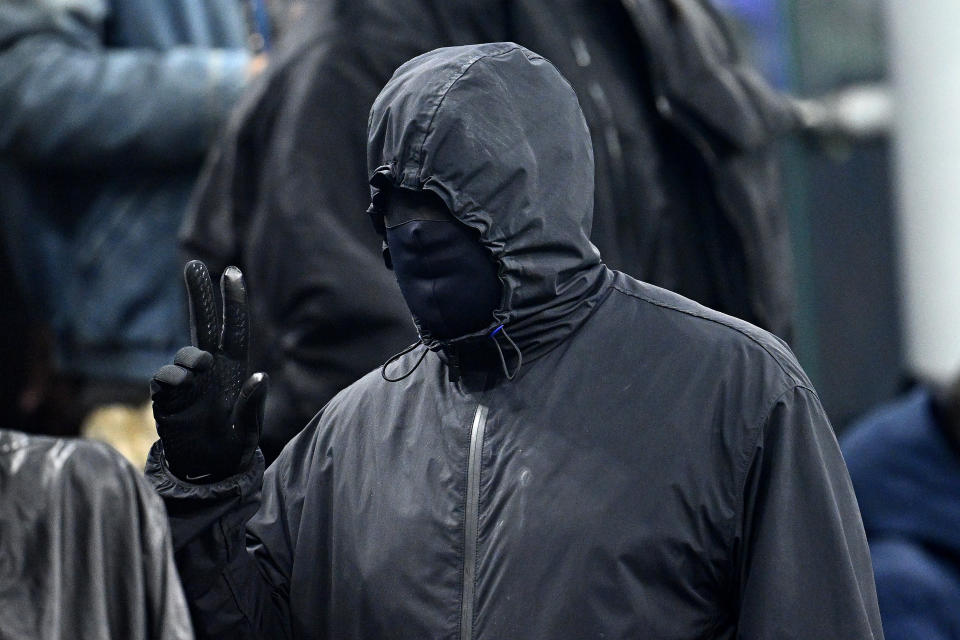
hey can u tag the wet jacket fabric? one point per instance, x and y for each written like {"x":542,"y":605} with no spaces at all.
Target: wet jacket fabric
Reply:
{"x":85,"y":547}
{"x":653,"y":469}
{"x":106,"y":110}
{"x":685,"y":187}
{"x":906,"y":472}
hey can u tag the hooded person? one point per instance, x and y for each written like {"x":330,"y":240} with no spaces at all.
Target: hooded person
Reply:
{"x":686,"y":191}
{"x":566,"y":452}
{"x":85,"y":550}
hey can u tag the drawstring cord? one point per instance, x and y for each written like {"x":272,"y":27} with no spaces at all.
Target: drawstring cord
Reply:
{"x":492,"y":335}
{"x":503,"y":361}
{"x":394,"y":358}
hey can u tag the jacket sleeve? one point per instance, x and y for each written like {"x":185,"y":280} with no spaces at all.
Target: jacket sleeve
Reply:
{"x":236,"y":583}
{"x":67,"y":100}
{"x":803,"y":561}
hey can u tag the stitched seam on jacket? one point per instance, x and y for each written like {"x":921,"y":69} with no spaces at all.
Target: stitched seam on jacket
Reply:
{"x":797,"y":381}
{"x":429,"y":129}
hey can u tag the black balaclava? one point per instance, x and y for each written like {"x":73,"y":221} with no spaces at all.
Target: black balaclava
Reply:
{"x":448,"y":279}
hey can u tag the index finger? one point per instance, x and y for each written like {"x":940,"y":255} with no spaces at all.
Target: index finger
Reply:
{"x":204,"y":320}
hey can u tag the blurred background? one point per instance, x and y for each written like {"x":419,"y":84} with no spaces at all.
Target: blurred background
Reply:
{"x":870,"y":193}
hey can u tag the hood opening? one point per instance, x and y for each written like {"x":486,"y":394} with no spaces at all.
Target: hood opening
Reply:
{"x":482,"y":278}
{"x":497,"y":133}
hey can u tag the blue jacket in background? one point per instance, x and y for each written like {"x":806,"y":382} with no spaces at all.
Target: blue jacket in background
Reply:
{"x":107,"y":108}
{"x":906,"y":474}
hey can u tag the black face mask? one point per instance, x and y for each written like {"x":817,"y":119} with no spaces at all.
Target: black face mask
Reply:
{"x":447,"y":278}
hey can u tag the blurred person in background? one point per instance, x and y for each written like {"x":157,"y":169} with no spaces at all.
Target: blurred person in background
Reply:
{"x":107,"y":108}
{"x":85,"y":551}
{"x":904,"y":460}
{"x":686,"y":183}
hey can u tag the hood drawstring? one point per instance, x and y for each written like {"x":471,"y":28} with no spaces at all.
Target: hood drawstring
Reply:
{"x":394,"y":358}
{"x":455,"y":364}
{"x":503,"y":361}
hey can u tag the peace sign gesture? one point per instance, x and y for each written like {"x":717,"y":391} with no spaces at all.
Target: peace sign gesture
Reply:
{"x":209,"y":414}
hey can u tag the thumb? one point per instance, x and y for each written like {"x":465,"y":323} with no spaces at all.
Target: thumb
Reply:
{"x":248,"y":413}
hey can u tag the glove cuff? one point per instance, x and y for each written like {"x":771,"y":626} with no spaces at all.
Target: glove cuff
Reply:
{"x":168,"y":483}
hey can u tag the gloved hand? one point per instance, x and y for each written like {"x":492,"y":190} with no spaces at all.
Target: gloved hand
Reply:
{"x":209,"y":413}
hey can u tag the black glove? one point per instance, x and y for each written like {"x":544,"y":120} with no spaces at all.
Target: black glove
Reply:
{"x":208,"y":423}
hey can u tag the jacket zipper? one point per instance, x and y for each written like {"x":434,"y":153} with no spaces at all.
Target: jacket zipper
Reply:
{"x":471,"y":522}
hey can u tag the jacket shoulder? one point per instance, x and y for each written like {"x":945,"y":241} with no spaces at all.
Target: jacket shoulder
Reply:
{"x":90,"y":468}
{"x":82,"y":483}
{"x":69,"y":458}
{"x":367,"y":396}
{"x":372,"y":392}
{"x":671,"y":316}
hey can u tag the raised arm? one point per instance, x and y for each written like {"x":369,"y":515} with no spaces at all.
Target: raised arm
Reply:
{"x":209,"y":471}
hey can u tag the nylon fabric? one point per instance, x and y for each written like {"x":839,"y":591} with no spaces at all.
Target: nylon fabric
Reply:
{"x":85,"y":548}
{"x":537,"y":307}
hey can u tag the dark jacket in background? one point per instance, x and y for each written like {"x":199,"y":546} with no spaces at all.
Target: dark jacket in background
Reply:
{"x":107,"y":108}
{"x":906,"y":472}
{"x":655,"y":469}
{"x":686,"y":193}
{"x":85,"y":548}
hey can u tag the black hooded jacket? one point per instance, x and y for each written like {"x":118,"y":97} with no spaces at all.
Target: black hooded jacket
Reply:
{"x":654,"y":469}
{"x":685,"y":191}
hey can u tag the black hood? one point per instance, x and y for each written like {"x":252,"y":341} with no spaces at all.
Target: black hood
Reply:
{"x":498,"y":134}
